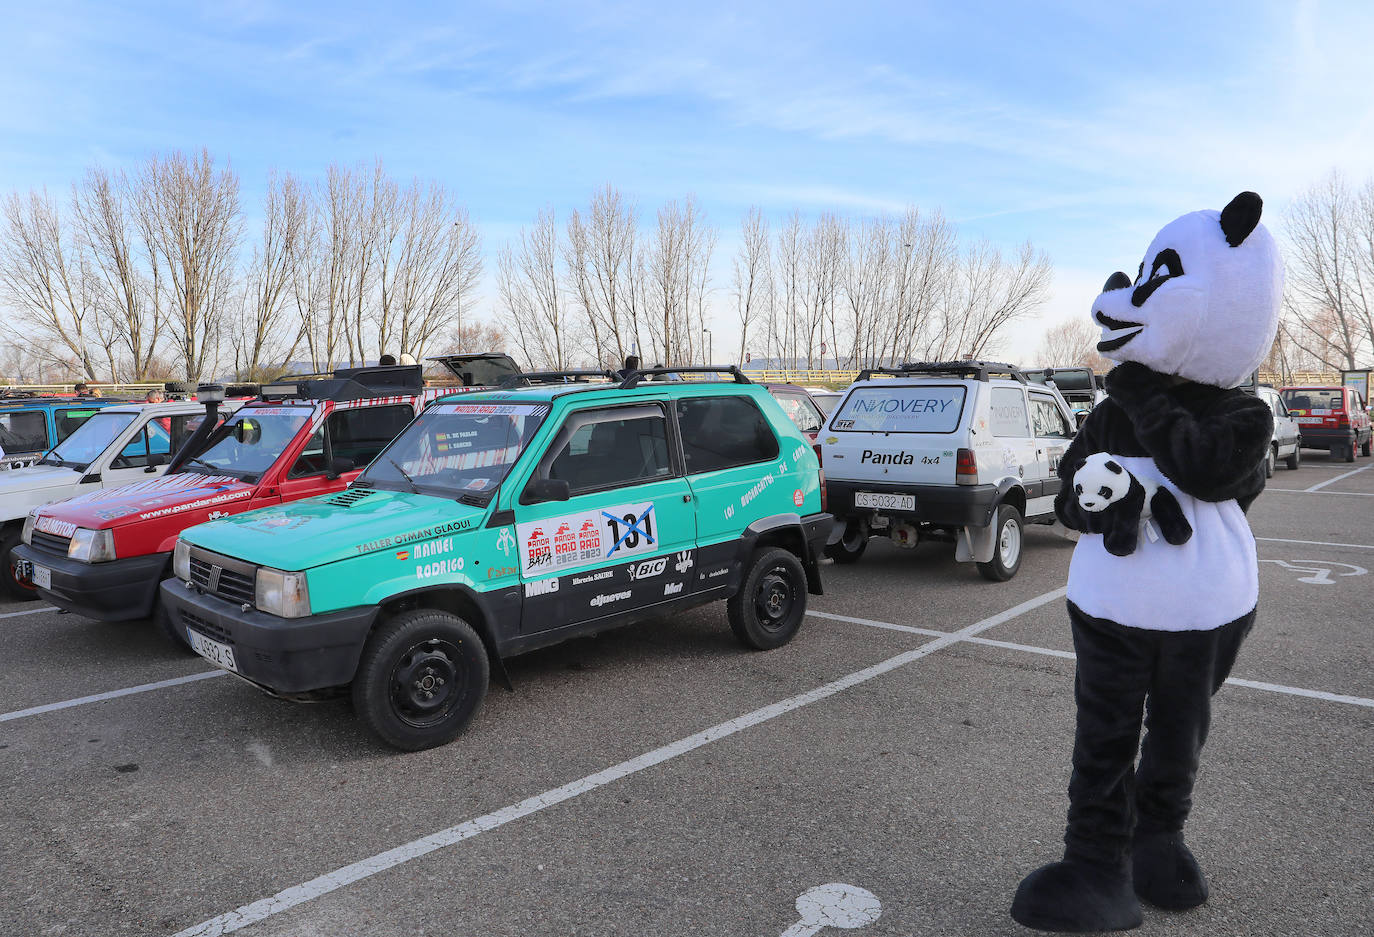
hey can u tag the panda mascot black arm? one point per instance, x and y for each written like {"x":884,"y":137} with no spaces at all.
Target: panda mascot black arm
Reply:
{"x":1214,"y":450}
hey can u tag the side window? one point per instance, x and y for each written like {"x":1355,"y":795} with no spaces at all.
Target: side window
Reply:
{"x":68,"y":420}
{"x":611,"y":449}
{"x":800,"y":411}
{"x":23,"y":431}
{"x":356,"y":434}
{"x":1048,"y":420}
{"x":136,"y":453}
{"x":181,"y":428}
{"x":723,"y":432}
{"x":1007,"y":408}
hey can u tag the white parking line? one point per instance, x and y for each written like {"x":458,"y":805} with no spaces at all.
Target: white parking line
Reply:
{"x":30,"y":611}
{"x":332,"y":881}
{"x":1318,"y":543}
{"x":1320,"y":485}
{"x":1312,"y":491}
{"x":1069,"y":655}
{"x":112,"y":694}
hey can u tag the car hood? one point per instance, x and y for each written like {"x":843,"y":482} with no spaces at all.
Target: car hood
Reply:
{"x":328,"y":528}
{"x":156,"y":497}
{"x":37,"y":476}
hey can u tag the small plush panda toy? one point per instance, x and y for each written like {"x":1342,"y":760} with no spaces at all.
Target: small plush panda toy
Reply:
{"x":1127,"y":505}
{"x":1157,"y":623}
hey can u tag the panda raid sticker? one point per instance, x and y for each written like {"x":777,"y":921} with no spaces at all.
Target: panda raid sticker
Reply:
{"x":610,"y":533}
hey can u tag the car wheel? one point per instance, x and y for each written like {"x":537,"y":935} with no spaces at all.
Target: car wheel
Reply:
{"x":1006,"y":554}
{"x":768,"y":608}
{"x":851,"y":545}
{"x":421,"y":679}
{"x":1271,"y":461}
{"x":1368,"y":446}
{"x":14,"y":588}
{"x":1350,"y":451}
{"x":1295,"y":459}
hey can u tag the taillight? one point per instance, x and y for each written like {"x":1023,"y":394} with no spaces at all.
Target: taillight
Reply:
{"x":1342,"y":419}
{"x":817,"y":447}
{"x":966,"y":468}
{"x":825,"y":502}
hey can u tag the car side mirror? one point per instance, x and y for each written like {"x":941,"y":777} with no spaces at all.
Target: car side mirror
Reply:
{"x":338,"y":467}
{"x":547,"y":489}
{"x":154,"y":461}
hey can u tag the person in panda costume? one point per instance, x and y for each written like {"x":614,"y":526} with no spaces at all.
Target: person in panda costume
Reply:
{"x":1157,"y":621}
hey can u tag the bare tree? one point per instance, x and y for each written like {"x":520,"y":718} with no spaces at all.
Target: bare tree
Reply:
{"x":191,"y":210}
{"x":1072,"y":342}
{"x":131,"y":314}
{"x":753,"y":276}
{"x":534,"y":307}
{"x":47,"y":279}
{"x":268,"y":333}
{"x":1329,"y":287}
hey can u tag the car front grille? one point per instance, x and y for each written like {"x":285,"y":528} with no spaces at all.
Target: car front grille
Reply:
{"x":50,"y":543}
{"x":207,"y":628}
{"x":222,"y":576}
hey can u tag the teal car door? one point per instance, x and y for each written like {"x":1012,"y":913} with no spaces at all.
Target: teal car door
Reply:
{"x":624,"y":539}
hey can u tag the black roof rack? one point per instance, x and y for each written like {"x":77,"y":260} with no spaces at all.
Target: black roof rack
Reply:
{"x":350,"y":384}
{"x":634,"y":377}
{"x":980,"y":370}
{"x":530,"y":378}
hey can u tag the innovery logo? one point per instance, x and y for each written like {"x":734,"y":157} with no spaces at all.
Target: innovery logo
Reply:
{"x":887,"y":458}
{"x":911,"y":405}
{"x":648,"y":569}
{"x":541,"y":587}
{"x":601,"y":600}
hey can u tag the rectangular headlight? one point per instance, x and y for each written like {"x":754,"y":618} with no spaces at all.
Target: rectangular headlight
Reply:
{"x":27,"y":535}
{"x":92,"y":546}
{"x":181,"y":560}
{"x":282,"y":594}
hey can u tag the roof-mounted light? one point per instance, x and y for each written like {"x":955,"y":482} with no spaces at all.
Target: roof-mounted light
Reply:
{"x":210,"y":393}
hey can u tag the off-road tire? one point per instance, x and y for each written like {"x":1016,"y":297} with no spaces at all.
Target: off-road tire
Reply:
{"x":771,"y":602}
{"x":421,"y":678}
{"x":1294,"y":460}
{"x":1008,"y":547}
{"x":851,"y":545}
{"x":13,"y":589}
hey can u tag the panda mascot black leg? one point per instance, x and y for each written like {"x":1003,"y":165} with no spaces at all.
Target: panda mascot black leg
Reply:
{"x":1157,"y":622}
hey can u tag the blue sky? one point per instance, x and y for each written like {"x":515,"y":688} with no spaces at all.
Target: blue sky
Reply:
{"x":1081,"y":126}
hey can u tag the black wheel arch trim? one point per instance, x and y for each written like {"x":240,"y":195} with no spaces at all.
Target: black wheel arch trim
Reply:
{"x":488,"y":609}
{"x":803,"y":536}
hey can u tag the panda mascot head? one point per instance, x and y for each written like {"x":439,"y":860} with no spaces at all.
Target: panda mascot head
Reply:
{"x":1205,"y":302}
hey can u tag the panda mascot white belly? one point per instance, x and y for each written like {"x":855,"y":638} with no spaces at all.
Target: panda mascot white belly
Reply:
{"x":1210,"y":580}
{"x":1157,"y":621}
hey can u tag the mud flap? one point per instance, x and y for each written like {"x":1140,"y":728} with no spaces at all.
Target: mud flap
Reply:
{"x":976,"y":544}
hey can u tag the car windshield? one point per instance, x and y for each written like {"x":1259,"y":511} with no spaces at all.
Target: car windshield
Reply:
{"x":901,"y":408}
{"x":89,"y":440}
{"x":457,"y":449}
{"x":247,"y":445}
{"x":1314,"y":398}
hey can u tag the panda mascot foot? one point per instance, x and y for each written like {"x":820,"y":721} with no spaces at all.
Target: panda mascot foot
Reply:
{"x":1077,"y":896}
{"x":1166,"y":874}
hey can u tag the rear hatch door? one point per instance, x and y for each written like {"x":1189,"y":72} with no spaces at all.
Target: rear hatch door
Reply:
{"x":896,"y":432}
{"x":479,"y":370}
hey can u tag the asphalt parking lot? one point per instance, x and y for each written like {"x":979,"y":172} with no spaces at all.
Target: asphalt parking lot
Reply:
{"x":912,"y":742}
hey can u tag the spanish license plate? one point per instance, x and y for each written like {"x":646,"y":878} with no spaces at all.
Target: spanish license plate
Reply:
{"x":41,"y":577}
{"x":213,"y":651}
{"x":891,"y":502}
{"x":1309,"y":419}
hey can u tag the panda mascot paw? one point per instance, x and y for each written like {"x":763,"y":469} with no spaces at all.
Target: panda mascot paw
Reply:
{"x":1077,"y":896}
{"x":1117,"y":504}
{"x":1165,"y":872}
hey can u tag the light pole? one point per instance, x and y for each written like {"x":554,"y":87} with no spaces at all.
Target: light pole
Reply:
{"x":706,"y":335}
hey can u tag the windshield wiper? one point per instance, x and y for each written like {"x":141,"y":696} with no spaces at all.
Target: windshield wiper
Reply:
{"x":415,"y":489}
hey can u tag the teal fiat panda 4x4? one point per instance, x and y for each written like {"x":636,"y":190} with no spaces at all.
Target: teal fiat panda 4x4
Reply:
{"x":503,"y":521}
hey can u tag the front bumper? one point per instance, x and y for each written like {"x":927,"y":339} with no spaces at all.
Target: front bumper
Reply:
{"x":282,"y":655}
{"x":120,"y":590}
{"x":946,"y":505}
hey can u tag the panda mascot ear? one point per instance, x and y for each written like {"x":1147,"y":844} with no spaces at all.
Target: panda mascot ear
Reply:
{"x":1112,"y":467}
{"x":1240,"y":217}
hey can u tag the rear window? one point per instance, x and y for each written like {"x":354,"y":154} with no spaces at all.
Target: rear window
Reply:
{"x":723,"y":432}
{"x":23,"y":431}
{"x":924,"y":408}
{"x":1314,"y":398}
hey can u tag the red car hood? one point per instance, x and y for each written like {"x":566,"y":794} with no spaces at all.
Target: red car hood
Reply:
{"x":157,"y":497}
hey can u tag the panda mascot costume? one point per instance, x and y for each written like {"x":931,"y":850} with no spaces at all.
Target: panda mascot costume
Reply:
{"x":1164,"y":580}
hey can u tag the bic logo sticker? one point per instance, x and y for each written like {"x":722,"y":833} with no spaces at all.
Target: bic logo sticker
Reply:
{"x":648,"y":569}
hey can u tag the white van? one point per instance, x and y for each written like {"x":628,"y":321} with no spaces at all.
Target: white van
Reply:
{"x":964,"y":451}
